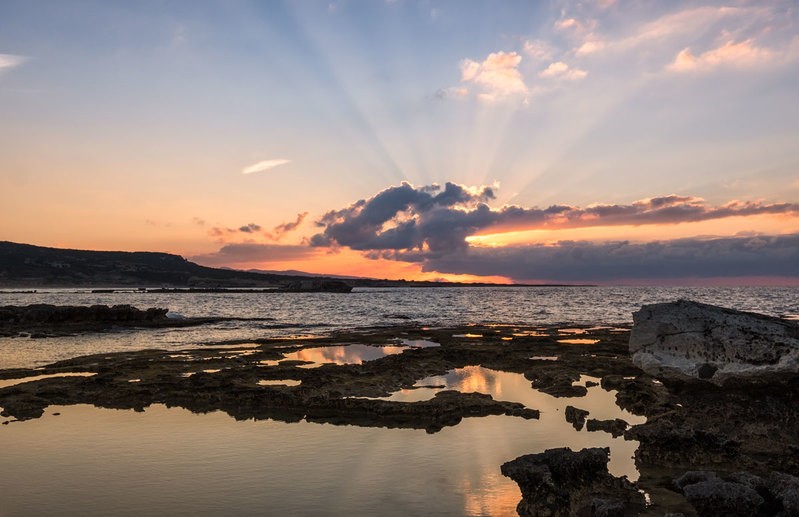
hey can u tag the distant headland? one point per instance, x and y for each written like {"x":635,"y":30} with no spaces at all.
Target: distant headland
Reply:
{"x":29,"y":266}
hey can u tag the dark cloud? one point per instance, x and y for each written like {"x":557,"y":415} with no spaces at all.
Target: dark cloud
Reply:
{"x":400,"y":217}
{"x":251,"y":253}
{"x":408,"y":218}
{"x":591,"y":262}
{"x":250,"y":228}
{"x":429,"y":225}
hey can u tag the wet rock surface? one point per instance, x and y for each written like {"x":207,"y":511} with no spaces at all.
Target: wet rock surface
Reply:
{"x":689,"y":341}
{"x":226,"y":377}
{"x":44,"y":320}
{"x":562,"y":482}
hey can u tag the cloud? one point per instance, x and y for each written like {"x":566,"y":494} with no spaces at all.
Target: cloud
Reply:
{"x":250,"y":228}
{"x":560,"y":70}
{"x":9,"y":61}
{"x":403,"y":217}
{"x":742,"y":54}
{"x":264,"y":166}
{"x":618,"y":261}
{"x":279,"y":231}
{"x":498,"y":75}
{"x":538,"y":49}
{"x":221,"y":232}
{"x":254,"y":254}
{"x":438,"y":221}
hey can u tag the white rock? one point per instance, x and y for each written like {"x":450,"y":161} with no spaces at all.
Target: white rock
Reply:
{"x":687,"y":340}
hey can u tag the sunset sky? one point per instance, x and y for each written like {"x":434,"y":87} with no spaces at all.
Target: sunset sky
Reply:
{"x":604,"y":141}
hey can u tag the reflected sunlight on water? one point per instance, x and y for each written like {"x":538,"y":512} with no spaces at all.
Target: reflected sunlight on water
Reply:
{"x":343,"y":354}
{"x":13,"y":382}
{"x":294,"y":314}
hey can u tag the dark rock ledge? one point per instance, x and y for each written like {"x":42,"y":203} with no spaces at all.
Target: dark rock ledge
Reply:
{"x":562,"y":483}
{"x":44,"y":320}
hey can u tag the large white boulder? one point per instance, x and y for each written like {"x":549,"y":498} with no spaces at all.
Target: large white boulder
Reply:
{"x":686,"y":340}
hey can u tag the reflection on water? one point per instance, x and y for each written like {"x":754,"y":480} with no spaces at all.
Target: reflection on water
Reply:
{"x":13,"y":382}
{"x":343,"y":354}
{"x":295,"y":314}
{"x":578,"y":341}
{"x":514,"y":387}
{"x":169,"y":461}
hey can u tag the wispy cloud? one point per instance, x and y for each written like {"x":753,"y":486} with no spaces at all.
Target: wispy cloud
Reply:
{"x":9,"y":61}
{"x":280,"y":231}
{"x":264,"y":165}
{"x":732,"y":54}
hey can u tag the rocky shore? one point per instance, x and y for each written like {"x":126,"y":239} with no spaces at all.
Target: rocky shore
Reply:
{"x":44,"y":320}
{"x":705,"y":449}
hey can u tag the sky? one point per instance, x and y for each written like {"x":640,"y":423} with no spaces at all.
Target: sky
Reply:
{"x":604,"y":141}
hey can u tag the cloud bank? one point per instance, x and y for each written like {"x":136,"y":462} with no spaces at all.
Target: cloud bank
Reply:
{"x":430,"y":225}
{"x":760,"y":256}
{"x":439,"y":220}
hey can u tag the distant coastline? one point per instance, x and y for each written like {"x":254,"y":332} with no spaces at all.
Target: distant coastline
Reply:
{"x":29,"y":267}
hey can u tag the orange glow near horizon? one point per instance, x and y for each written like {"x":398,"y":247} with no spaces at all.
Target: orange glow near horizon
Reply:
{"x":348,"y":262}
{"x":728,"y":227}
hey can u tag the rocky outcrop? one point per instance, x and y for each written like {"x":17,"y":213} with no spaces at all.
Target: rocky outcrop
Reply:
{"x":689,"y":341}
{"x":44,"y":320}
{"x":316,"y":285}
{"x":740,"y":494}
{"x":561,"y":482}
{"x":44,"y":313}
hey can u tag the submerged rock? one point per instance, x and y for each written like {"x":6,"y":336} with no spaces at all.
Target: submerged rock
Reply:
{"x":689,"y":341}
{"x":576,"y":416}
{"x":561,"y":482}
{"x":616,"y":427}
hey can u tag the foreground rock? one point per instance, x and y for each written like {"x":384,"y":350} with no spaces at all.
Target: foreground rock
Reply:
{"x":43,"y":320}
{"x":560,"y":482}
{"x":740,"y":494}
{"x":689,"y":341}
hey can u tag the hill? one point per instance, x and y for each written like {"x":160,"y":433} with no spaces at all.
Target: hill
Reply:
{"x":25,"y":265}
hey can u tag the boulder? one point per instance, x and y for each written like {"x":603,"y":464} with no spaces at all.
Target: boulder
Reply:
{"x":689,"y":341}
{"x":561,"y":482}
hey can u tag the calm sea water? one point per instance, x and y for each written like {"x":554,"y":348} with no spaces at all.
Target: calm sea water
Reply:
{"x":168,"y":461}
{"x":284,"y":314}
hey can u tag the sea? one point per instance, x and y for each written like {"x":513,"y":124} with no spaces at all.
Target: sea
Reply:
{"x":168,"y":461}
